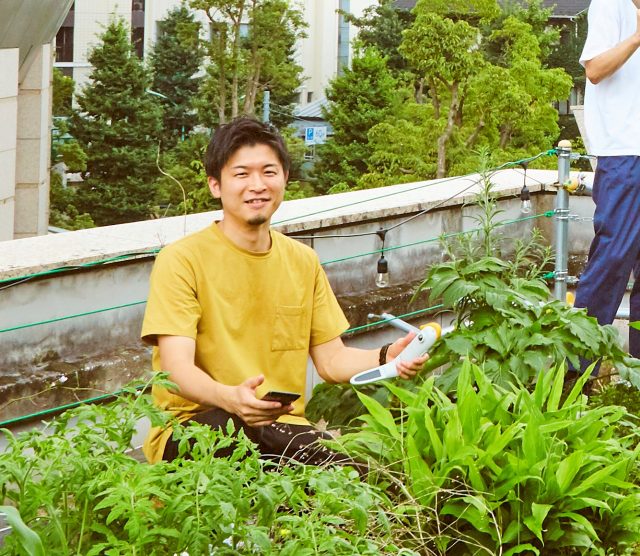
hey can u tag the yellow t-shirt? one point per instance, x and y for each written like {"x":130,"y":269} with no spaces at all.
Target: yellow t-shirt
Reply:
{"x":249,"y":313}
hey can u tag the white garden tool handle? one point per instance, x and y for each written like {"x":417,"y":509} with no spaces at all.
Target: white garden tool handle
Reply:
{"x":420,"y":345}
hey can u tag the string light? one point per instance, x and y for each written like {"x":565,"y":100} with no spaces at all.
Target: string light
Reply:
{"x":382,"y":270}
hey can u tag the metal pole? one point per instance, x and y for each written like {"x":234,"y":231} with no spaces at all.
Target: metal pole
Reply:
{"x":561,"y":217}
{"x":266,"y":99}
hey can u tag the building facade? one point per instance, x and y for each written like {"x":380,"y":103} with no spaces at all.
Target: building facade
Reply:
{"x":27,"y":28}
{"x":321,"y":54}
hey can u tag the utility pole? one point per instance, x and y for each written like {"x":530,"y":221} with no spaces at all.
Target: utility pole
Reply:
{"x":266,"y":100}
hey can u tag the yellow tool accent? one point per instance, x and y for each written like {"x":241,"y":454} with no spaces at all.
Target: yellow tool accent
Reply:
{"x":435,"y":326}
{"x":570,"y":298}
{"x":572,"y":184}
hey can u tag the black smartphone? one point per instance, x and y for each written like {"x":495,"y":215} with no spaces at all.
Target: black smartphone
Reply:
{"x":285,"y":398}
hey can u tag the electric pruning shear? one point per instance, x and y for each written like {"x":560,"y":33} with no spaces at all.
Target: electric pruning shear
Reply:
{"x":426,"y":336}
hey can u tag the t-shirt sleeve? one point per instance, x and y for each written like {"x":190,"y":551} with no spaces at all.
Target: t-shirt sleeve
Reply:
{"x":603,"y":31}
{"x":328,"y":320}
{"x":172,"y":305}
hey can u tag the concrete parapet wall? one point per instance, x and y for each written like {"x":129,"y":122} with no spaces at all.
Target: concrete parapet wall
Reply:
{"x":34,"y":290}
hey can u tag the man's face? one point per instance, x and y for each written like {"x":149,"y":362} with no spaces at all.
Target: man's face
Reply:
{"x":251,"y":185}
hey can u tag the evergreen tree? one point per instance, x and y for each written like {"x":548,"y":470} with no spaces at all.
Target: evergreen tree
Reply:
{"x":117,"y":125}
{"x":365,"y":95}
{"x":175,"y":60}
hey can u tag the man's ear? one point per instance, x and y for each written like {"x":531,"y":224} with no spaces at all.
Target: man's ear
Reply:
{"x":214,"y":187}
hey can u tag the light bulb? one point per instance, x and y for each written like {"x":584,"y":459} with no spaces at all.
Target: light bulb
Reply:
{"x":525,"y":197}
{"x":382,"y":275}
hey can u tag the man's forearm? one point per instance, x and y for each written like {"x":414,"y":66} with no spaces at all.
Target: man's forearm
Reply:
{"x":197,"y":386}
{"x":347,"y":362}
{"x":607,"y":63}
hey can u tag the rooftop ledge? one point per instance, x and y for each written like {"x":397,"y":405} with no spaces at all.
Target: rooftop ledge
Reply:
{"x":37,"y":254}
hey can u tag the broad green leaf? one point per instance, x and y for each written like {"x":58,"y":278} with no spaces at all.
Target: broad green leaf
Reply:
{"x":522,"y":548}
{"x":460,"y":344}
{"x":29,"y":540}
{"x":456,"y":291}
{"x":597,"y":479}
{"x":535,"y":520}
{"x":535,"y":359}
{"x":434,"y":437}
{"x":583,"y":522}
{"x":382,"y":417}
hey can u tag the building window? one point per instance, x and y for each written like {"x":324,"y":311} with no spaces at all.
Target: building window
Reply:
{"x":310,"y":152}
{"x":64,"y":45}
{"x":309,"y":97}
{"x":137,"y":39}
{"x":137,"y":26}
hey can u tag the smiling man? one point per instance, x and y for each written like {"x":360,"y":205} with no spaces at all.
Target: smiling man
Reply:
{"x":235,"y":310}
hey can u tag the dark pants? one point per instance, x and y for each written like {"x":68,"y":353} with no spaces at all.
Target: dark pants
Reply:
{"x":279,"y":442}
{"x":615,"y":250}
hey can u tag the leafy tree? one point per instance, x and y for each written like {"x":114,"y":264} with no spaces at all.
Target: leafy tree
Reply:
{"x":566,"y":54}
{"x":381,"y":26}
{"x":175,"y":60}
{"x":117,"y":125}
{"x":63,"y":211}
{"x":445,"y":52}
{"x":62,"y":93}
{"x":246,"y":60}
{"x":461,"y":55}
{"x":184,"y":179}
{"x":366,"y":94}
{"x":537,"y":16}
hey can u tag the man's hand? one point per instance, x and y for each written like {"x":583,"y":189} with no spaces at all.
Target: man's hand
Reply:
{"x":243,"y":402}
{"x":406,"y":369}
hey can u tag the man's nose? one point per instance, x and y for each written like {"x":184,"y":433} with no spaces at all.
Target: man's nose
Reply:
{"x":257,"y":182}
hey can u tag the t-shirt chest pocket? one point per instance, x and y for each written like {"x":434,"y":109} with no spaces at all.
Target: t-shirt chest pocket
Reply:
{"x":290,"y":331}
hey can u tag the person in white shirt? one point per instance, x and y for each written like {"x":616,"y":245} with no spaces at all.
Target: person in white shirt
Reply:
{"x":611,"y":58}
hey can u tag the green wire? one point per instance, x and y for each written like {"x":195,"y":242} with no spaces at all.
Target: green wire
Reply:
{"x":431,"y":240}
{"x":103,"y":397}
{"x":49,"y":321}
{"x":123,"y":257}
{"x":431,"y":184}
{"x":61,"y":408}
{"x":393,"y":248}
{"x":134,"y":255}
{"x":413,"y":313}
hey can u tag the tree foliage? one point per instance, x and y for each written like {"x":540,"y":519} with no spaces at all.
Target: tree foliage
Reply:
{"x":117,"y":125}
{"x":381,"y":26}
{"x":480,"y":81}
{"x":175,"y":61}
{"x":62,"y":93}
{"x":364,"y":95}
{"x":250,"y":49}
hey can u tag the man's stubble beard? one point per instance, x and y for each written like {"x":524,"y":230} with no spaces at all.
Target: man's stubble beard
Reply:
{"x":257,"y":220}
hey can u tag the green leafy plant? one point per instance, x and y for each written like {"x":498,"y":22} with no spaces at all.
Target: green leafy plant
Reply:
{"x":504,"y":470}
{"x":504,"y":319}
{"x":75,"y":488}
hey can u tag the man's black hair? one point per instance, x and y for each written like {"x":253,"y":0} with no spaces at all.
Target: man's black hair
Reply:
{"x":242,"y":132}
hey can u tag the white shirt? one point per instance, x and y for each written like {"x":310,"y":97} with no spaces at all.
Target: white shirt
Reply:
{"x":612,"y":107}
